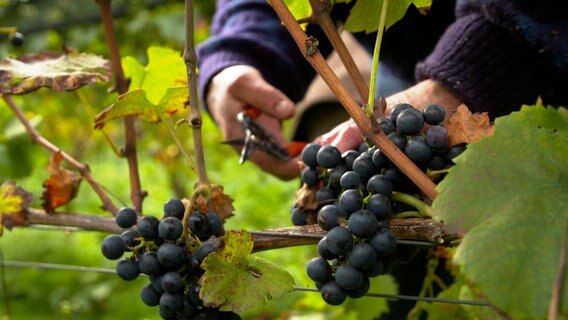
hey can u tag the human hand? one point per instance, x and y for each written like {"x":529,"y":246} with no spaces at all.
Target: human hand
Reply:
{"x":347,"y":136}
{"x":238,"y":87}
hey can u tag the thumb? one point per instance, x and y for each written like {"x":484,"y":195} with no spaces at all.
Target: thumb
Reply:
{"x":254,"y":90}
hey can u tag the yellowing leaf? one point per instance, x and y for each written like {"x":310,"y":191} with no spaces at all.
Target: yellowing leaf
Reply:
{"x":236,"y":281}
{"x":14,"y":203}
{"x":59,"y":72}
{"x":62,"y":185}
{"x":465,"y":127}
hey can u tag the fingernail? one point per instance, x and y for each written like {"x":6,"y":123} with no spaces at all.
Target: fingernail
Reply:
{"x":283,"y":108}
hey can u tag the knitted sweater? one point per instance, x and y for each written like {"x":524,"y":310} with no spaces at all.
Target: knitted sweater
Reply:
{"x":496,"y":55}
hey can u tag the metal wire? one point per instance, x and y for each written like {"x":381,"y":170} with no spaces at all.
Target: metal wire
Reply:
{"x":54,"y":266}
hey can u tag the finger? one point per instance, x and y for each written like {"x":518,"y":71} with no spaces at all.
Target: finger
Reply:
{"x":345,"y":136}
{"x":255,"y":91}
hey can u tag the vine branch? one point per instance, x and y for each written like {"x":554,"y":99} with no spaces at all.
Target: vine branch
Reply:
{"x":136,"y":193}
{"x":83,"y":169}
{"x":372,"y":133}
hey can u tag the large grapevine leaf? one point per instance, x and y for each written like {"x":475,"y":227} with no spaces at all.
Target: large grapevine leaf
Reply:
{"x":359,"y":18}
{"x":60,"y":72}
{"x":236,"y":281}
{"x":507,"y":194}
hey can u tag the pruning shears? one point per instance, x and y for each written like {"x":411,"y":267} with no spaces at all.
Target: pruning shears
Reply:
{"x":256,"y":138}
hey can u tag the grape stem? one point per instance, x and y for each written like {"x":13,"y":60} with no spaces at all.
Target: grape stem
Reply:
{"x":420,"y":205}
{"x":369,"y":107}
{"x":409,"y":214}
{"x":200,"y":190}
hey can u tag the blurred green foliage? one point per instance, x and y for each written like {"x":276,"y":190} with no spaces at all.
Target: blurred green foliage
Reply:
{"x":66,"y":119}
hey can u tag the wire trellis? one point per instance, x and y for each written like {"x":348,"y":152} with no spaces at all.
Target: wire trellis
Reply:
{"x":65,"y":267}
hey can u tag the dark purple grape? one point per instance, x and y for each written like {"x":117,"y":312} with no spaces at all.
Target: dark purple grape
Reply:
{"x":112,"y":247}
{"x":125,"y":217}
{"x":434,"y":114}
{"x":437,"y":162}
{"x":323,"y":250}
{"x":150,"y":296}
{"x":397,"y":109}
{"x":329,"y":217}
{"x":387,"y":125}
{"x":188,"y":310}
{"x":205,"y":249}
{"x":199,"y":224}
{"x":348,"y":157}
{"x":156,"y":282}
{"x":148,"y":263}
{"x":409,"y":122}
{"x":383,"y":241}
{"x":309,"y":154}
{"x":318,"y":270}
{"x":328,"y":156}
{"x":334,"y":176}
{"x":309,"y":176}
{"x":215,"y":224}
{"x":333,"y":294}
{"x":380,"y":206}
{"x":170,"y":255}
{"x":398,"y":140}
{"x":298,"y":216}
{"x":147,"y":226}
{"x":171,"y":302}
{"x":174,"y":208}
{"x":363,"y":256}
{"x":361,"y":290}
{"x":455,"y":151}
{"x":172,"y":282}
{"x":193,"y":294}
{"x":437,"y":137}
{"x":129,"y":238}
{"x":350,"y":200}
{"x":380,"y":184}
{"x":364,"y":147}
{"x":364,"y":167}
{"x":339,"y":241}
{"x":362,"y":223}
{"x":380,"y":160}
{"x":347,"y":277}
{"x":170,"y":228}
{"x":350,"y":180}
{"x":127,"y":269}
{"x":418,"y":150}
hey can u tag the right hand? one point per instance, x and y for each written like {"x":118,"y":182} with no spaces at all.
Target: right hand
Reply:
{"x":235,"y":88}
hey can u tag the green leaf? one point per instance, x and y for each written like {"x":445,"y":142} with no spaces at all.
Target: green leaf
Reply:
{"x":59,"y":72}
{"x":236,"y":281}
{"x":299,"y":8}
{"x":132,"y":103}
{"x":359,"y":18}
{"x":507,"y":194}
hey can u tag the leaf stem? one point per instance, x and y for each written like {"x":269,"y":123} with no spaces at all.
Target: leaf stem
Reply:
{"x":420,"y":205}
{"x":136,"y":193}
{"x":376,"y":54}
{"x":409,"y":214}
{"x":83,"y":169}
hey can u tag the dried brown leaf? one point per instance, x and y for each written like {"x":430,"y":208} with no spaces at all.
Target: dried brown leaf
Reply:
{"x":14,"y":202}
{"x":306,"y":198}
{"x":465,"y":127}
{"x":62,"y":185}
{"x":222,"y":203}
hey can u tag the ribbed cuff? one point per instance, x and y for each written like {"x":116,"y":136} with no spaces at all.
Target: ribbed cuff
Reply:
{"x":484,"y":65}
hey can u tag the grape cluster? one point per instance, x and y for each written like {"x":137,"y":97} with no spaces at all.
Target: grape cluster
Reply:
{"x":173,"y":267}
{"x":353,"y":195}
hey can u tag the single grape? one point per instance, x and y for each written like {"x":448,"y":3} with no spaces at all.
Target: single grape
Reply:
{"x":298,"y":216}
{"x":363,"y":147}
{"x":339,"y":241}
{"x":334,"y":176}
{"x":363,"y":256}
{"x":171,"y":302}
{"x":129,"y":238}
{"x":170,"y":228}
{"x":215,"y":224}
{"x":350,"y":180}
{"x":172,"y":282}
{"x":318,"y":269}
{"x":398,"y":140}
{"x":365,"y":167}
{"x":418,"y":150}
{"x":362,"y":223}
{"x":383,"y":241}
{"x":455,"y":151}
{"x":379,"y":159}
{"x":333,"y":294}
{"x":409,"y":122}
{"x":350,"y":200}
{"x":112,"y":247}
{"x":170,"y":255}
{"x":150,"y":296}
{"x":168,"y":315}
{"x":147,"y":226}
{"x":361,"y":290}
{"x":125,"y":217}
{"x":437,"y":137}
{"x":397,"y":109}
{"x":323,"y":250}
{"x":127,"y":269}
{"x":174,"y":208}
{"x":380,"y":206}
{"x":199,"y":224}
{"x":156,"y":282}
{"x":348,"y":157}
{"x":17,"y":39}
{"x":387,"y":125}
{"x":309,"y":176}
{"x":329,"y":217}
{"x":148,"y":263}
{"x":348,"y":278}
{"x":434,"y":114}
{"x":205,"y":249}
{"x":324,"y":193}
{"x":328,"y":156}
{"x":379,"y":184}
{"x":437,"y":162}
{"x":309,"y":154}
